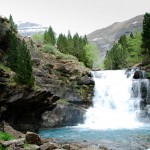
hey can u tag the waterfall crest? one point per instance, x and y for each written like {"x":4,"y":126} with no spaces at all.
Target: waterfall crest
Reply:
{"x":116,"y":101}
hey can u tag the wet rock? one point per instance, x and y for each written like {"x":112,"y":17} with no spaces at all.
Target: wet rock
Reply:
{"x":66,"y":146}
{"x":103,"y":148}
{"x":33,"y":138}
{"x":63,"y":116}
{"x":49,"y":146}
{"x":138,"y":75}
{"x":85,"y":81}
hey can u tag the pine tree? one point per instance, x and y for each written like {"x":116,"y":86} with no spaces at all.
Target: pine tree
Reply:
{"x":123,"y":41}
{"x":12,"y":53}
{"x":70,"y":44}
{"x":13,"y":26}
{"x":146,"y":34}
{"x":62,"y":44}
{"x":24,"y":68}
{"x":49,"y":36}
{"x":76,"y":45}
{"x":131,"y":35}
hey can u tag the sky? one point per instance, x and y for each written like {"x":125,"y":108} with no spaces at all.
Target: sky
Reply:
{"x":82,"y":16}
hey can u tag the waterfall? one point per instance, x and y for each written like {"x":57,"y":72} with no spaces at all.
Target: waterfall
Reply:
{"x":116,"y":101}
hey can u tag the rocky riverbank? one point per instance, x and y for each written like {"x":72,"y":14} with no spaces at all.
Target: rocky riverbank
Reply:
{"x":30,"y":141}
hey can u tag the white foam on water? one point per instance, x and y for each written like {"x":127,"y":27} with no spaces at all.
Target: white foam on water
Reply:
{"x":113,"y":104}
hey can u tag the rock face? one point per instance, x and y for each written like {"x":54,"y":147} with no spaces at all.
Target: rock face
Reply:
{"x":56,"y":77}
{"x":104,"y":38}
{"x":24,"y":107}
{"x":63,"y":116}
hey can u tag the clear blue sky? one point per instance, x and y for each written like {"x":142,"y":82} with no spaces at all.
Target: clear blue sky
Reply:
{"x":82,"y":16}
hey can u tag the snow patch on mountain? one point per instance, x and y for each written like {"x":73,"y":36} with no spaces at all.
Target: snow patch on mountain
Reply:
{"x":28,"y":28}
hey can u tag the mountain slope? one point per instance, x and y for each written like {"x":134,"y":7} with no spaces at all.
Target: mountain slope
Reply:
{"x":104,"y":38}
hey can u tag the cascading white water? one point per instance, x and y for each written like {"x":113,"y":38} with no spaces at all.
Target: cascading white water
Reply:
{"x":114,"y":106}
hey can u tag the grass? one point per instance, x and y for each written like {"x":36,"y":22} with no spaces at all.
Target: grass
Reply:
{"x":5,"y":68}
{"x":11,"y":80}
{"x":62,"y":102}
{"x":6,"y":136}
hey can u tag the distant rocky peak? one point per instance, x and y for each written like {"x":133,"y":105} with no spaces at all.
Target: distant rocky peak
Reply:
{"x":105,"y":38}
{"x":29,"y":28}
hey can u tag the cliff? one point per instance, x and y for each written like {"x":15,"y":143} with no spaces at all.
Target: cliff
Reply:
{"x":58,"y":79}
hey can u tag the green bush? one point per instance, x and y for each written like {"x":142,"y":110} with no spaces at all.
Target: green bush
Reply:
{"x":47,"y":48}
{"x":66,"y":56}
{"x":2,"y":148}
{"x":39,"y":38}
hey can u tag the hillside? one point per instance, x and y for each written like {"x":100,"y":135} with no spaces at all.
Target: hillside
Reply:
{"x":104,"y":38}
{"x":61,"y":83}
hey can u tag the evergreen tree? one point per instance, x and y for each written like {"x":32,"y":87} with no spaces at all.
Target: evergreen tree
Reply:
{"x":13,"y":26}
{"x":123,"y":41}
{"x":131,"y":35}
{"x":116,"y":57}
{"x":146,"y":35}
{"x":24,"y":68}
{"x":49,"y":36}
{"x":76,"y":45}
{"x":62,"y":43}
{"x":70,"y":44}
{"x":12,"y":53}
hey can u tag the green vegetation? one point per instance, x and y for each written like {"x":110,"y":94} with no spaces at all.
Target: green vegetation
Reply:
{"x":49,"y":36}
{"x":69,"y":47}
{"x":5,"y":136}
{"x":62,"y":101}
{"x":130,"y":50}
{"x":90,"y":56}
{"x":38,"y":38}
{"x":18,"y":58}
{"x":5,"y":68}
{"x":79,"y":47}
{"x":48,"y":48}
{"x":12,"y":53}
{"x":146,"y":37}
{"x":125,"y":53}
{"x":24,"y":66}
{"x":13,"y":26}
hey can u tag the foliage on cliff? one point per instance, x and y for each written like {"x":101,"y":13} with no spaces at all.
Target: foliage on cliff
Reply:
{"x":125,"y":53}
{"x":146,"y":36}
{"x":75,"y":45}
{"x":18,"y":57}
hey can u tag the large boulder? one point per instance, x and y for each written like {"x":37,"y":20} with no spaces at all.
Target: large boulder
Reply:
{"x":33,"y":138}
{"x":63,"y":116}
